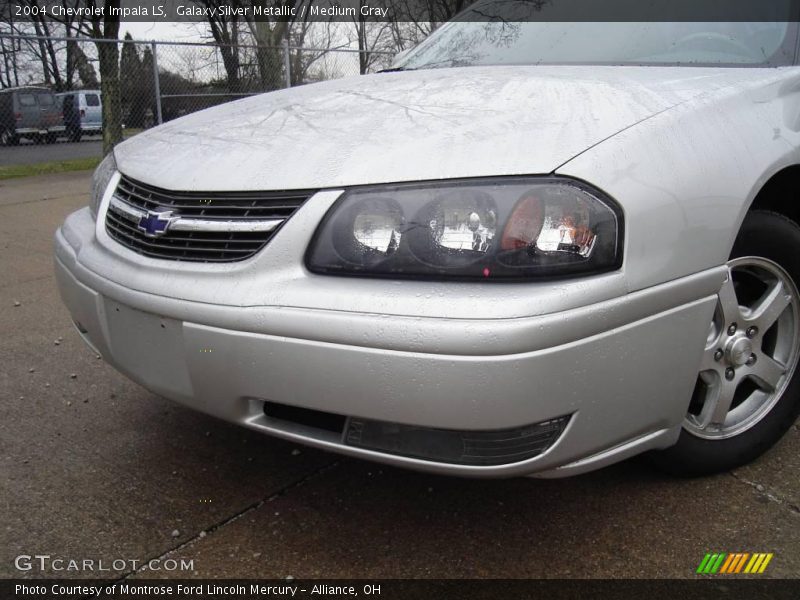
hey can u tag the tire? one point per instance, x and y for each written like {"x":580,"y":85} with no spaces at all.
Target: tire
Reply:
{"x":765,"y":240}
{"x":51,"y":138}
{"x":8,"y":138}
{"x":75,"y":135}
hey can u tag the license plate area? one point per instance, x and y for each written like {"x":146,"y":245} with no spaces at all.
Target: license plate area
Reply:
{"x":149,"y":348}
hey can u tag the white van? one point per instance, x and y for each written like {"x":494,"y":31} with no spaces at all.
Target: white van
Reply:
{"x":83,"y":112}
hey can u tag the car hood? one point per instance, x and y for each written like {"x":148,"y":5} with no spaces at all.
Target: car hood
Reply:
{"x":409,"y":126}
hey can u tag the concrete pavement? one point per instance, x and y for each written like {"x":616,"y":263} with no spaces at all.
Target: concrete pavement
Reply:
{"x":93,"y":466}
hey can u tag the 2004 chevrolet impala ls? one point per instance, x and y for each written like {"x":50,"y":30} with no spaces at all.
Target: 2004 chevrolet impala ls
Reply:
{"x":528,"y":248}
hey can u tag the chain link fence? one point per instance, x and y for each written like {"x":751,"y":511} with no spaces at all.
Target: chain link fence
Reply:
{"x":160,"y":80}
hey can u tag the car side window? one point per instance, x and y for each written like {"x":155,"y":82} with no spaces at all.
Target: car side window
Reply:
{"x":92,"y":100}
{"x":27,"y":100}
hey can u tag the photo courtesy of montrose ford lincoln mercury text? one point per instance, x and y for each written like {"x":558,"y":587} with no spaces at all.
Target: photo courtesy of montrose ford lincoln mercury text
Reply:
{"x":528,"y":248}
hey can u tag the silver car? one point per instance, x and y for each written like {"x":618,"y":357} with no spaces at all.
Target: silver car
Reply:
{"x":526,"y":254}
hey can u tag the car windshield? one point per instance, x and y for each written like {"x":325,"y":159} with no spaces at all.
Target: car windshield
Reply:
{"x":472,"y":40}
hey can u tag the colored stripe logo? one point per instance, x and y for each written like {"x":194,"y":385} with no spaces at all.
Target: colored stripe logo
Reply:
{"x":733,"y":563}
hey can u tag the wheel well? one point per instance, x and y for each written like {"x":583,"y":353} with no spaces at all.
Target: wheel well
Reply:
{"x":781,"y":194}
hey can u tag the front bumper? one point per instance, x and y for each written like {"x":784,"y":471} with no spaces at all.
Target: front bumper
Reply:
{"x":623,"y":368}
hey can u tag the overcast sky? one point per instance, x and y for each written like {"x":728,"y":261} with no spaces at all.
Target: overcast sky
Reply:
{"x":186,"y":32}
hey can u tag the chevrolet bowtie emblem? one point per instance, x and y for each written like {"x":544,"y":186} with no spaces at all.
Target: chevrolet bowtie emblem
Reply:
{"x":156,"y":222}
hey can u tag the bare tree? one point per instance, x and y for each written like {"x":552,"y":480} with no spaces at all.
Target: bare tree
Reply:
{"x":10,"y":49}
{"x":414,"y":20}
{"x":105,"y":30}
{"x":225,"y":31}
{"x":270,"y":34}
{"x":374,"y":39}
{"x":313,"y":50}
{"x":42,"y":47}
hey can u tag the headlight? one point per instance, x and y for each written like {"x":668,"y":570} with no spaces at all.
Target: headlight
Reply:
{"x":504,"y":229}
{"x":100,"y":180}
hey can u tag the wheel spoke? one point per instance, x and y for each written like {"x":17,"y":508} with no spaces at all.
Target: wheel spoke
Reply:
{"x":709,"y":363}
{"x":717,"y":404}
{"x":728,"y":301}
{"x":770,"y":307}
{"x":767,"y":372}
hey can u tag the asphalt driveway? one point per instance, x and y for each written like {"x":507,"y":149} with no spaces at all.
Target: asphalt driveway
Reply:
{"x":93,"y":466}
{"x":28,"y":153}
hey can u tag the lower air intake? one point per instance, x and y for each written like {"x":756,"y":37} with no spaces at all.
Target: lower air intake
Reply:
{"x":477,"y":448}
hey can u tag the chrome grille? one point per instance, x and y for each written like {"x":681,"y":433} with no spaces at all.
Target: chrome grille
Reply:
{"x":197,"y":226}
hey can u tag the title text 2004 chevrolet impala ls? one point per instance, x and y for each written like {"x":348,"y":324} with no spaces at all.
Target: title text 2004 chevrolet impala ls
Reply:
{"x":535,"y":253}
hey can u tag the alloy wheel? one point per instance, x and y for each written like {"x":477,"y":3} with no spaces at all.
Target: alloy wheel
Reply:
{"x":751,"y":352}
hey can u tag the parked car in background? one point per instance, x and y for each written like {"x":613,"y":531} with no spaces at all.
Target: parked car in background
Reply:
{"x":29,"y":112}
{"x":529,"y":248}
{"x":83,"y":113}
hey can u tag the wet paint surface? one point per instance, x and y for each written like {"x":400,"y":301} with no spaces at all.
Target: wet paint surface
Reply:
{"x":434,"y":124}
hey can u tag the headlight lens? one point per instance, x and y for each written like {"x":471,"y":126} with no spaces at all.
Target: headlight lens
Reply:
{"x":484,"y":229}
{"x":100,"y":180}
